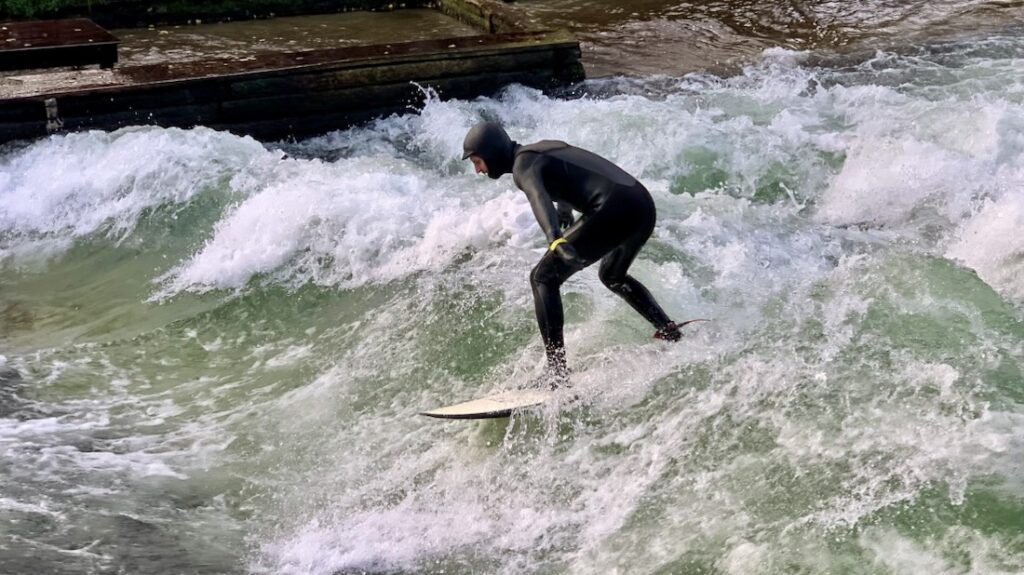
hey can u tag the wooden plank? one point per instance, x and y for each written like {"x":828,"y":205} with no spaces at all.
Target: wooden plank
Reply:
{"x":489,"y":84}
{"x":53,"y":43}
{"x":402,"y":94}
{"x":59,"y":57}
{"x":10,"y":131}
{"x":38,"y":34}
{"x":365,"y":56}
{"x":309,"y":114}
{"x":171,"y":117}
{"x":140,"y":98}
{"x":276,"y":64}
{"x":567,"y":67}
{"x":22,"y":110}
{"x":302,"y":103}
{"x":282,"y":128}
{"x":313,"y":98}
{"x":140,"y":13}
{"x":487,"y":15}
{"x":348,"y":77}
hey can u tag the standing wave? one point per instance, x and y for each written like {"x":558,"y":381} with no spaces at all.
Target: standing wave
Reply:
{"x":267,"y":320}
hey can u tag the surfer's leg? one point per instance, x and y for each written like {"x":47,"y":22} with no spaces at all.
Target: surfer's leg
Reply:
{"x":613,"y":275}
{"x":615,"y":265}
{"x":546,"y":279}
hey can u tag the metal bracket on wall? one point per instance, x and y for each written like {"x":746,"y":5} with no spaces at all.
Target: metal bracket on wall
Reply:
{"x":53,"y":121}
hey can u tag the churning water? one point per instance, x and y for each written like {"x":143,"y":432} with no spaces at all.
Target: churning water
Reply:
{"x":213,"y":350}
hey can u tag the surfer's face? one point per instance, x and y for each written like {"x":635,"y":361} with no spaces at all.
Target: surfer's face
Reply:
{"x":479,"y":164}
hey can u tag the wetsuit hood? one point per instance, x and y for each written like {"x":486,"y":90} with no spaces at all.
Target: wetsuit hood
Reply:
{"x":490,"y":141}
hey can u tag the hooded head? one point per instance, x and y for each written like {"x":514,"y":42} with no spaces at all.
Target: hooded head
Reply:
{"x":490,"y":141}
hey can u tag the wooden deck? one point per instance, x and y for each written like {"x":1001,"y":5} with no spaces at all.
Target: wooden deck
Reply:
{"x":278,"y":95}
{"x":282,"y":95}
{"x":55,"y":43}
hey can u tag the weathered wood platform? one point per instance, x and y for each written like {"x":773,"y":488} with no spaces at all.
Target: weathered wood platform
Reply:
{"x":55,"y":43}
{"x":491,"y":16}
{"x":494,"y":16}
{"x":275,"y":96}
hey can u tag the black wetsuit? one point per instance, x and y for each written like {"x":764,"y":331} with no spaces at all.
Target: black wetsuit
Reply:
{"x":617,"y":218}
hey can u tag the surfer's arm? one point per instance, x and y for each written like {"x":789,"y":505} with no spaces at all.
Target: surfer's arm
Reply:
{"x":529,"y":178}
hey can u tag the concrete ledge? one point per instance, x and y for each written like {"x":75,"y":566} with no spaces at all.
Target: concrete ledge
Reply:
{"x":490,"y":16}
{"x":55,"y":43}
{"x":291,"y":95}
{"x":294,"y":94}
{"x":135,"y":13}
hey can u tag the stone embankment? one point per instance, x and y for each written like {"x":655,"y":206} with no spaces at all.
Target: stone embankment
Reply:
{"x":285,"y":94}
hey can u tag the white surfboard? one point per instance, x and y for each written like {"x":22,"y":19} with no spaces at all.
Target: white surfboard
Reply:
{"x":491,"y":406}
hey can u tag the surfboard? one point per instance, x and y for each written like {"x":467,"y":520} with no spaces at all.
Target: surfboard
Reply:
{"x":500,"y":404}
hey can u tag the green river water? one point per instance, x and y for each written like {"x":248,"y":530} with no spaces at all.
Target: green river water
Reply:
{"x":212,"y":354}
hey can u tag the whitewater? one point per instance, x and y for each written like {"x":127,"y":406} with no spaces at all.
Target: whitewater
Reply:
{"x":213,"y":350}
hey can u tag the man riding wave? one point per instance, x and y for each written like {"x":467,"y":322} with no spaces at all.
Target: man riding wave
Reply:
{"x":618,"y":216}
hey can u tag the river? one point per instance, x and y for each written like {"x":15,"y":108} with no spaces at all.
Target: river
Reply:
{"x":212,"y":350}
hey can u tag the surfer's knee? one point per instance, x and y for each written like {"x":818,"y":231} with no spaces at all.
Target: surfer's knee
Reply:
{"x":546,"y":273}
{"x":613,"y":281}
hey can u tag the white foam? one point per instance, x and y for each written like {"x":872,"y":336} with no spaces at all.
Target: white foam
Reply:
{"x":747,"y":557}
{"x":400,"y":537}
{"x":78,"y":184}
{"x":992,"y":244}
{"x":977,"y":554}
{"x":41,"y":508}
{"x":349,"y":223}
{"x":903,"y":160}
{"x":884,"y":180}
{"x":676,"y":450}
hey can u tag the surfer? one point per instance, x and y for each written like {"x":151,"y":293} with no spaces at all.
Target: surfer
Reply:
{"x":617,"y":218}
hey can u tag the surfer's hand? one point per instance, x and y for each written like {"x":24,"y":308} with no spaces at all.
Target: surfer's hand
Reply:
{"x":568,"y":254}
